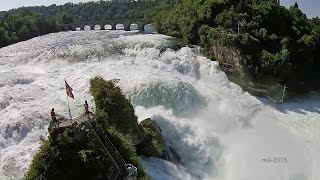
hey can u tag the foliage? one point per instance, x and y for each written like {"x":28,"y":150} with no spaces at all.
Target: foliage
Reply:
{"x":122,"y":126}
{"x":113,"y":106}
{"x":63,"y":156}
{"x":127,"y":150}
{"x":96,"y":11}
{"x":27,"y":22}
{"x":115,"y":113}
{"x":154,"y":144}
{"x":15,"y":28}
{"x":274,"y":41}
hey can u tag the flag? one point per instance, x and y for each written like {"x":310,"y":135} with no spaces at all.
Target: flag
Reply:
{"x":69,"y":90}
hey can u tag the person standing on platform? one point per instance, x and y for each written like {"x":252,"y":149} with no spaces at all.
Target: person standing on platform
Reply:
{"x":86,"y":107}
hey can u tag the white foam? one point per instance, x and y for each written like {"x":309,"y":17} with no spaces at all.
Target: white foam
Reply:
{"x":217,"y":130}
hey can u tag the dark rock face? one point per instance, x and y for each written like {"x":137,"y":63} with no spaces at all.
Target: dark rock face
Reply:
{"x":231,"y":61}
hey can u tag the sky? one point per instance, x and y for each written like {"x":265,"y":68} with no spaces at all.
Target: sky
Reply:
{"x":310,"y":7}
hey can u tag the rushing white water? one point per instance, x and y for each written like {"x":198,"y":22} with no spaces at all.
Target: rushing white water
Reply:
{"x":218,"y":131}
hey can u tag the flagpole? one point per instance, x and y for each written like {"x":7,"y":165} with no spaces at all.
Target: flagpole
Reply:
{"x":68,"y":101}
{"x":69,"y":108}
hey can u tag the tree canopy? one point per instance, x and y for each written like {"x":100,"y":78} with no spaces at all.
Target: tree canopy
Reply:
{"x":274,"y":41}
{"x":27,"y":22}
{"x":15,"y":28}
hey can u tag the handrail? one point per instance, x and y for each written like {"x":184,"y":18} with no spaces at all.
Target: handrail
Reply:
{"x":97,"y":133}
{"x":97,"y":137}
{"x":109,"y":141}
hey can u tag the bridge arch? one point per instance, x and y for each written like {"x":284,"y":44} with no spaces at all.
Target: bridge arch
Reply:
{"x":97,"y":27}
{"x":113,"y":23}
{"x":134,"y":26}
{"x":120,"y":26}
{"x":102,"y":26}
{"x":107,"y":27}
{"x":87,"y":28}
{"x":141,"y":25}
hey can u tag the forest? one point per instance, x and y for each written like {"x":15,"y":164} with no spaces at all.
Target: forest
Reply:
{"x":275,"y":42}
{"x":16,"y":28}
{"x":28,"y":22}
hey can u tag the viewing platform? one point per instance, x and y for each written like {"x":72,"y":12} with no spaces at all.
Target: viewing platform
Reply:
{"x":86,"y":126}
{"x":69,"y":122}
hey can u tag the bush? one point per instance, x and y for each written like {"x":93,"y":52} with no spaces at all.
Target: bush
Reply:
{"x":153,"y":144}
{"x":112,"y":105}
{"x":127,"y":150}
{"x":62,"y":156}
{"x":267,"y":30}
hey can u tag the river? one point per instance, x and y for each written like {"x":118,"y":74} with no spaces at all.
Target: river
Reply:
{"x":219,"y":131}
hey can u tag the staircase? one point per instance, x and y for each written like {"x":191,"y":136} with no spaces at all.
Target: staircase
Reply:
{"x":117,"y":166}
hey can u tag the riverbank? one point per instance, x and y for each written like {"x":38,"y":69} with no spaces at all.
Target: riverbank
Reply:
{"x":263,"y":47}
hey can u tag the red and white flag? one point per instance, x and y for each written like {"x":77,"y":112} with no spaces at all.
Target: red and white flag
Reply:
{"x":69,"y":90}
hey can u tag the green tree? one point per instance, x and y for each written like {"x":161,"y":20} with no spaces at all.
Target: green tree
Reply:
{"x":274,"y":42}
{"x":66,"y":18}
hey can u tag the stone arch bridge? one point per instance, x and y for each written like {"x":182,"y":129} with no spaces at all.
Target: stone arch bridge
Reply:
{"x":126,"y":23}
